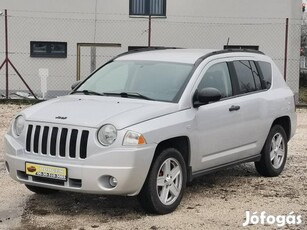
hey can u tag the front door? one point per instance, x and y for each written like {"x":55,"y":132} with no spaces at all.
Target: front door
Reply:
{"x":222,"y":131}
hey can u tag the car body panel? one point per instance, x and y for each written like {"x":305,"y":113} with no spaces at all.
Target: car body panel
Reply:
{"x":97,"y":110}
{"x":216,"y":135}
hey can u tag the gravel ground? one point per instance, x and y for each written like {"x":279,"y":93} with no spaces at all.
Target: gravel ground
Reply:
{"x":217,"y":201}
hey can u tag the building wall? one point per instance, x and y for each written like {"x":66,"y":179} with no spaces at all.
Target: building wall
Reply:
{"x":190,"y":24}
{"x":208,"y":8}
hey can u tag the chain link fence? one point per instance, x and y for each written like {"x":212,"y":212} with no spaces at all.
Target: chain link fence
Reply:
{"x":173,"y":31}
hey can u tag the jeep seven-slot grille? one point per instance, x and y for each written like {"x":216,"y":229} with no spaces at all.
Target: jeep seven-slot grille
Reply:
{"x":54,"y":141}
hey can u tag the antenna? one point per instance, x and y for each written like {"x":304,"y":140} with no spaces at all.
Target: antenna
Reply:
{"x":228,"y":42}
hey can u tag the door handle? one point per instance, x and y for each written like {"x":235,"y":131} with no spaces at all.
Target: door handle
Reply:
{"x":234,"y":108}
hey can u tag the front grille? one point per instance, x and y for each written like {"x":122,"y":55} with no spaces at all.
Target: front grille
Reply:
{"x":55,"y":141}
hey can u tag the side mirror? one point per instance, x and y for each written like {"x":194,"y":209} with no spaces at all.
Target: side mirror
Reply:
{"x":205,"y":96}
{"x":74,"y":85}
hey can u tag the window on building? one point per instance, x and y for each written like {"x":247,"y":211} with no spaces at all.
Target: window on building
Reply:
{"x":148,"y":7}
{"x":48,"y":49}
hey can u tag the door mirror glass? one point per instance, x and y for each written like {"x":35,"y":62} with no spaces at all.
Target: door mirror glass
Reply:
{"x":207,"y":95}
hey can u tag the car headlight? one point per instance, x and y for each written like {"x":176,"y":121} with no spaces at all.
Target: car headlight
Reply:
{"x":18,"y":125}
{"x":133,"y":138}
{"x":107,"y":134}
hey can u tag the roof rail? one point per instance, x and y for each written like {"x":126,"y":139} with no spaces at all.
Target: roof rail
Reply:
{"x":145,"y":49}
{"x":224,"y":51}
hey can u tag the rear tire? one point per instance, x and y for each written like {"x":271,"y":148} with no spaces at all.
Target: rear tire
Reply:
{"x":41,"y":190}
{"x":274,"y":153}
{"x":165,"y":183}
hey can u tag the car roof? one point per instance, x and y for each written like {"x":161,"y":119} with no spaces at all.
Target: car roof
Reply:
{"x":188,"y":56}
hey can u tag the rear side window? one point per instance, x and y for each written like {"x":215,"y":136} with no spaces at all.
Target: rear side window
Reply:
{"x":248,"y":76}
{"x":266,"y":71}
{"x":256,"y":76}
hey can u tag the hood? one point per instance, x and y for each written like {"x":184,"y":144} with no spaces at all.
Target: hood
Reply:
{"x":94,"y":111}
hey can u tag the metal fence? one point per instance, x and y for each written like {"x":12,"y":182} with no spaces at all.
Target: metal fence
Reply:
{"x":274,"y":36}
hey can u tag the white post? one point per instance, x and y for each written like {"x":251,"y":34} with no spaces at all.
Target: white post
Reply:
{"x":43,"y":73}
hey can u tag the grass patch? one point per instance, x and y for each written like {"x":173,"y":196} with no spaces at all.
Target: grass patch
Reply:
{"x":19,"y":101}
{"x":303,"y":95}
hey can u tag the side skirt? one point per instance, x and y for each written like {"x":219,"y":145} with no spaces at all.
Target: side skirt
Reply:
{"x":193,"y":175}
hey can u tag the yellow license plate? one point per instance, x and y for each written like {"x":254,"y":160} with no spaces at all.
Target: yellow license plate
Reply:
{"x":46,"y":171}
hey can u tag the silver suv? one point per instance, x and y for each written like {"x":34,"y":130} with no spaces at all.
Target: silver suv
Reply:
{"x":148,"y":122}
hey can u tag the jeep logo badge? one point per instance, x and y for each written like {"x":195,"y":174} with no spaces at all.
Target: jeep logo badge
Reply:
{"x":61,"y":118}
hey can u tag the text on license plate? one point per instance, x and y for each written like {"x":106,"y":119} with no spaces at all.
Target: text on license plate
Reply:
{"x":46,"y":171}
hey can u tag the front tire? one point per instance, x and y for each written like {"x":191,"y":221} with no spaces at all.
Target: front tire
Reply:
{"x":274,"y":153}
{"x":165,"y":183}
{"x":41,"y":190}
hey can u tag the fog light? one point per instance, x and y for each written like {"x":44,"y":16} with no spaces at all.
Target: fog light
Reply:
{"x":7,"y":167}
{"x":113,"y":181}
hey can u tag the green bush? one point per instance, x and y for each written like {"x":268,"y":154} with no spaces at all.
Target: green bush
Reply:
{"x":303,"y":79}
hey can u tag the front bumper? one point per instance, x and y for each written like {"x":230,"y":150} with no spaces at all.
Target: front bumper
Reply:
{"x":129,"y":165}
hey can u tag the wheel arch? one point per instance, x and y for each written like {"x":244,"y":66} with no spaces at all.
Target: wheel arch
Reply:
{"x":285,"y":122}
{"x":181,"y":143}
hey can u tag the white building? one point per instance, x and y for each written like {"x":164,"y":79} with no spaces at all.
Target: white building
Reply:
{"x":191,"y":24}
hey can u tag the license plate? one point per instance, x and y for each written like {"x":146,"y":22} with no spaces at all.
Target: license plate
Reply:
{"x":46,"y":171}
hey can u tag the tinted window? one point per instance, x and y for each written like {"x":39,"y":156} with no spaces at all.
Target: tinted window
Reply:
{"x":266,"y":71}
{"x":256,"y":76}
{"x":217,"y":76}
{"x":245,"y":76}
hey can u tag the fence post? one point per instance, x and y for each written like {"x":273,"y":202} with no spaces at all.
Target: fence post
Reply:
{"x":7,"y":62}
{"x":286,"y":49}
{"x":149,"y":31}
{"x":6,"y":56}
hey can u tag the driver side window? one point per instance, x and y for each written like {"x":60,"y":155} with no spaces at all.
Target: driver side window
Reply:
{"x":217,"y":76}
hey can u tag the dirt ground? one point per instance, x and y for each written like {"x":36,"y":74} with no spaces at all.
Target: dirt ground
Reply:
{"x":218,"y":201}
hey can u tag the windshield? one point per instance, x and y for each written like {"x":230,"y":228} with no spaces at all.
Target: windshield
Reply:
{"x":160,"y":81}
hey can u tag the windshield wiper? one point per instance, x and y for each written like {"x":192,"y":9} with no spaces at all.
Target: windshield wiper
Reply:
{"x":129,"y":94}
{"x":88,"y":92}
